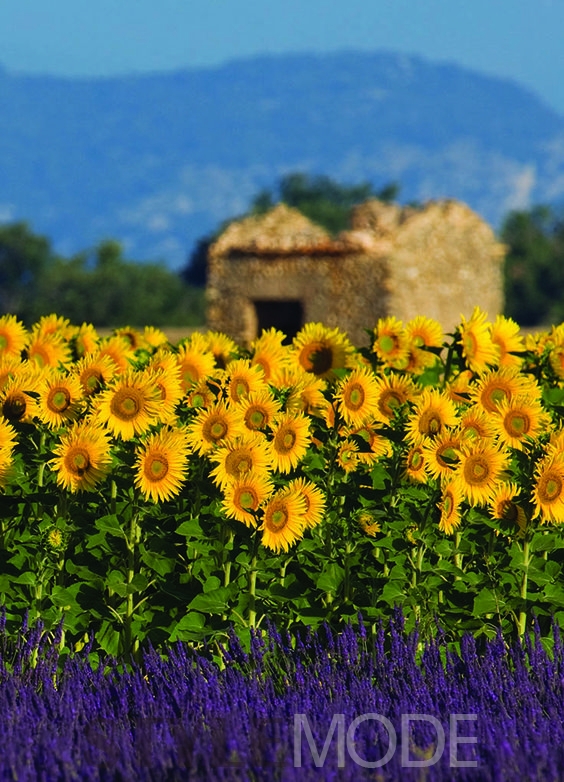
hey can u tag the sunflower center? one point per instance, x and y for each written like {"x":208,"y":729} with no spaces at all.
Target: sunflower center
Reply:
{"x":40,"y":356}
{"x":387,"y":343}
{"x":317,"y":358}
{"x":14,"y":406}
{"x":285,"y":440}
{"x":517,"y":424}
{"x":215,"y":430}
{"x":550,"y":488}
{"x":255,"y":418}
{"x":448,"y":504}
{"x":156,"y":467}
{"x":58,"y":400}
{"x":190,"y":375}
{"x":239,"y":388}
{"x":247,"y":499}
{"x":430,"y":423}
{"x":508,"y":510}
{"x":415,"y":460}
{"x":389,"y":403}
{"x":92,"y":381}
{"x":355,"y":397}
{"x":470,"y":345}
{"x":447,"y":456}
{"x":238,"y":463}
{"x":3,"y":342}
{"x":476,"y":470}
{"x":276,"y":516}
{"x":77,"y":461}
{"x":126,"y":404}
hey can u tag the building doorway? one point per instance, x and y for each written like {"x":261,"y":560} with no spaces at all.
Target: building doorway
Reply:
{"x":284,"y":314}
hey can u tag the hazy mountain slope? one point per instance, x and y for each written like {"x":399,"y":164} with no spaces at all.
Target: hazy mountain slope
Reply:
{"x":159,"y":160}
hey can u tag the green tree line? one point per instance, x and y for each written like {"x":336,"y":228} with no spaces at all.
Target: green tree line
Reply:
{"x":99,"y":286}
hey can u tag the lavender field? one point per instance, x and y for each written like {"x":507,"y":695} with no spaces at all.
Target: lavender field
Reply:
{"x":267,"y":714}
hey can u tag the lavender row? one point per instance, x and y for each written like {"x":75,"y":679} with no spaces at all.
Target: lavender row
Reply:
{"x":321,"y":705}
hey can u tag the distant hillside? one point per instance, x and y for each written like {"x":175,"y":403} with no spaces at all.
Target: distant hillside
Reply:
{"x":157,"y":161}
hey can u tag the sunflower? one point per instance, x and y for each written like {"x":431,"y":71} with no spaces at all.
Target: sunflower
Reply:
{"x":548,"y":490}
{"x":556,"y":359}
{"x":449,"y":506}
{"x":321,"y":350}
{"x":119,"y":350}
{"x":368,"y":522}
{"x":433,"y":412}
{"x":17,"y":402}
{"x":243,"y":498}
{"x":415,"y":465}
{"x":48,"y":350}
{"x":290,"y":440}
{"x":503,"y":508}
{"x":153,"y":337}
{"x":379,"y":445}
{"x":161,"y":465}
{"x":306,"y":393}
{"x":213,"y":426}
{"x":391,"y":343}
{"x":94,"y":372}
{"x":7,"y":436}
{"x":270,"y":354}
{"x":357,"y":397}
{"x":315,"y":502}
{"x":239,"y":457}
{"x":5,"y":467}
{"x":13,"y":337}
{"x":505,"y":334}
{"x":166,"y":374}
{"x":480,"y":470}
{"x":475,"y":424}
{"x":393,"y":392}
{"x":283,"y":519}
{"x":348,"y":456}
{"x":52,"y":325}
{"x":60,"y":399}
{"x":258,"y":409}
{"x":424,"y":332}
{"x":242,"y":379}
{"x":195,"y":365}
{"x":133,"y":336}
{"x":518,"y":420}
{"x":130,"y":404}
{"x":503,"y":385}
{"x":460,"y":387}
{"x":200,"y":396}
{"x":223,"y":348}
{"x":85,"y":340}
{"x":83,"y":457}
{"x":442,"y":454}
{"x":9,"y":368}
{"x":475,"y":340}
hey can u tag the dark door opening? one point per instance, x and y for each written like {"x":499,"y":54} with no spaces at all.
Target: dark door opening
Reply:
{"x":283,"y":314}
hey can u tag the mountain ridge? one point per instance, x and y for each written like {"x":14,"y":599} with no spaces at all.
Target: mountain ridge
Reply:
{"x":158,"y":160}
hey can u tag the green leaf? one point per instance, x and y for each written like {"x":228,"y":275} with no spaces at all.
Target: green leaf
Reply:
{"x":393,"y":593}
{"x":554,"y":593}
{"x":192,"y":627}
{"x":157,"y":562}
{"x":484,"y":603}
{"x":214,"y":602}
{"x":190,"y":528}
{"x":331,"y":577}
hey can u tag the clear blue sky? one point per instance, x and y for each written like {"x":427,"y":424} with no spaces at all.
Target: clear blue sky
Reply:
{"x":519,"y":39}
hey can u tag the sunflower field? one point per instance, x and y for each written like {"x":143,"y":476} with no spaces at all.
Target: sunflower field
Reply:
{"x":157,"y":492}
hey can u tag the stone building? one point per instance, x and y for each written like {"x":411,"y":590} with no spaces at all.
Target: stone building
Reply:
{"x":279,"y":269}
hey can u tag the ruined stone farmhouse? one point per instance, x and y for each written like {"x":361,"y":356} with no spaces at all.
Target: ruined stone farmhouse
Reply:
{"x":280,"y":269}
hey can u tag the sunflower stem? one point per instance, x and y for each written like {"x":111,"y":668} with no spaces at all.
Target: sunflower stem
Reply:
{"x":524,"y":586}
{"x":457,"y":555}
{"x":252,"y":592}
{"x":129,"y":645}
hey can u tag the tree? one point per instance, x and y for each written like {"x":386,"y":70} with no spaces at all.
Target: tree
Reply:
{"x":534,"y":267}
{"x":321,"y":199}
{"x":24,"y":257}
